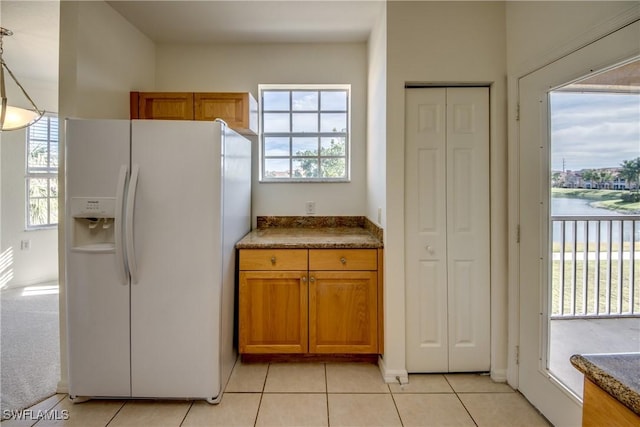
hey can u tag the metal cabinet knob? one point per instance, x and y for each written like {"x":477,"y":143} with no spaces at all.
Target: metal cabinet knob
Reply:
{"x":312,"y":279}
{"x":304,"y":279}
{"x":343,"y":260}
{"x":430,"y":250}
{"x":273,"y":260}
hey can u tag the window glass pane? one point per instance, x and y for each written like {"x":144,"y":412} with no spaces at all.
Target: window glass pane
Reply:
{"x":303,"y":146}
{"x":53,"y":211}
{"x":293,"y":121}
{"x":53,"y":186}
{"x":275,"y":100}
{"x":276,"y":168}
{"x":276,"y":122}
{"x":305,"y":168}
{"x":333,"y":168}
{"x":38,"y":156}
{"x":305,"y":122}
{"x":38,"y":212}
{"x":276,"y":146}
{"x":304,"y":101}
{"x":333,"y":146}
{"x":38,"y":187}
{"x":333,"y":122}
{"x":334,"y":100}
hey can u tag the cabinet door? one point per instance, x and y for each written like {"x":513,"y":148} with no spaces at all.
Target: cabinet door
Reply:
{"x":273,"y":312}
{"x":239,"y":110}
{"x":162,"y":105}
{"x":343,"y":307}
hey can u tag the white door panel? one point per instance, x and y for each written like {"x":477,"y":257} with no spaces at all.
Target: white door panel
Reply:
{"x":97,"y":299}
{"x":447,"y":233}
{"x":98,"y":324}
{"x":176,"y":237}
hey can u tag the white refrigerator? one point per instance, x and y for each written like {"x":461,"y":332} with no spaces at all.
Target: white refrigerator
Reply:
{"x":153,"y":211}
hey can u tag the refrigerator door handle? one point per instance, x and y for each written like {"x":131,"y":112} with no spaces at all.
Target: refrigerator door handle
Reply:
{"x":128,"y":228}
{"x":118,"y":229}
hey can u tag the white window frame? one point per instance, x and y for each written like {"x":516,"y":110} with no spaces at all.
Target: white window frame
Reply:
{"x":346,"y":135}
{"x":49,"y":172}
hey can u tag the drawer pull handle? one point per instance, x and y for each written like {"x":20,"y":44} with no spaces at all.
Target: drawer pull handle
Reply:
{"x":343,"y":260}
{"x":273,"y":260}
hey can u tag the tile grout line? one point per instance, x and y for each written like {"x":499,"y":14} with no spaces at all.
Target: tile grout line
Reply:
{"x":393,"y":398}
{"x":264,"y":384}
{"x":187,"y":413}
{"x":326,"y":390}
{"x":460,"y":400}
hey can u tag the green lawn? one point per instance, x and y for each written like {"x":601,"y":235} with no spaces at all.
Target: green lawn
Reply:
{"x":605,"y":272}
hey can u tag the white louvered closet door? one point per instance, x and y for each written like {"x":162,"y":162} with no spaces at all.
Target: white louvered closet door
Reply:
{"x":447,"y":229}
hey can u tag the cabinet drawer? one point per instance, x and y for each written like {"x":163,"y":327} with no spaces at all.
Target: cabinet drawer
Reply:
{"x":343,"y":259}
{"x":273,"y":259}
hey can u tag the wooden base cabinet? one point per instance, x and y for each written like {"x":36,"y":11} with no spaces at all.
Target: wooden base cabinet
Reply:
{"x":315,"y":301}
{"x":273,"y":312}
{"x":343,"y":312}
{"x":600,"y":409}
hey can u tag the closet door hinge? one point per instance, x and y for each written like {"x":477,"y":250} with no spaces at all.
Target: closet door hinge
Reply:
{"x":517,"y":355}
{"x":518,"y":233}
{"x":518,"y":113}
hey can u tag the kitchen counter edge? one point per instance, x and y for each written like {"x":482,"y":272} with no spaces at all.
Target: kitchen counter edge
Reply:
{"x":613,"y":373}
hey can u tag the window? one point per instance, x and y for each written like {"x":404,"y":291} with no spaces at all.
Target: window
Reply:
{"x":42,"y":173}
{"x":305,"y":133}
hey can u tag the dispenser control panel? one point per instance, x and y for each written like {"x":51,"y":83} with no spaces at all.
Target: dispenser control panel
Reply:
{"x":93,"y":207}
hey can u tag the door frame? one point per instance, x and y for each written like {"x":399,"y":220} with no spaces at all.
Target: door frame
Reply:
{"x":528,"y":321}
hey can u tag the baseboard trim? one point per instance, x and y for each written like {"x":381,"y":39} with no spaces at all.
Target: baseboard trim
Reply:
{"x":392,"y":375}
{"x":499,"y":375}
{"x":63,"y":387}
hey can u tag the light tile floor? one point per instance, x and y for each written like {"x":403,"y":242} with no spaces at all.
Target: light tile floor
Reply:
{"x":310,"y":394}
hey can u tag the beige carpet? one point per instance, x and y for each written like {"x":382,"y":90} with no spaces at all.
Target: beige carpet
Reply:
{"x":29,"y":345}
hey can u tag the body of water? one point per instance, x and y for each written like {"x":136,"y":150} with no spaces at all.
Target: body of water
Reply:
{"x":571,"y":206}
{"x":575,"y":207}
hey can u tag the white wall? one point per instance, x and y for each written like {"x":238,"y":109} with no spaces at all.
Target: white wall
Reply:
{"x":242,"y":68}
{"x":445,"y":43}
{"x":102,"y":58}
{"x":40,"y":263}
{"x":377,"y":123}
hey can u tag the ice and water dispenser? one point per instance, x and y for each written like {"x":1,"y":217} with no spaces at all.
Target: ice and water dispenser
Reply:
{"x":93,"y":224}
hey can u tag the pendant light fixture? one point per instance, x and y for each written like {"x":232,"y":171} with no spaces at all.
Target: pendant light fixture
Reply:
{"x":12,"y":118}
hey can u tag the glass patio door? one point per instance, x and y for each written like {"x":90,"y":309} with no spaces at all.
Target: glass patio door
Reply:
{"x":551,"y":397}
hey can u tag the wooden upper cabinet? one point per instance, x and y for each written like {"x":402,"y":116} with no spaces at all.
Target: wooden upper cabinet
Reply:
{"x":162,"y":105}
{"x":238,"y":109}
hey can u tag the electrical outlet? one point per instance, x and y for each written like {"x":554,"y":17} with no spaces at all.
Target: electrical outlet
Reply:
{"x":25,"y":245}
{"x":310,"y":207}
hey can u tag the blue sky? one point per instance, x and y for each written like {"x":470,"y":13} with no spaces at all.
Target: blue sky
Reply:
{"x":594,"y":130}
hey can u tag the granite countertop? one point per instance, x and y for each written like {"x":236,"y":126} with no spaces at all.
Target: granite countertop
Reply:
{"x":312,"y":232}
{"x":617,"y":374}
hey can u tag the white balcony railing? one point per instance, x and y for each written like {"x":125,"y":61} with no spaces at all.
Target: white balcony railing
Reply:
{"x":595,"y":266}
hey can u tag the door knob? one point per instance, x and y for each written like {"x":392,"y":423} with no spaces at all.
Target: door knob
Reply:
{"x":430,"y":249}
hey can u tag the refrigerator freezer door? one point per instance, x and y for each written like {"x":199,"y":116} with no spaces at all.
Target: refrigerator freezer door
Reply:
{"x":97,"y":300}
{"x":175,"y":304}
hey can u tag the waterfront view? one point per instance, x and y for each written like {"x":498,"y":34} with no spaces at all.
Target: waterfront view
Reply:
{"x":593,"y":301}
